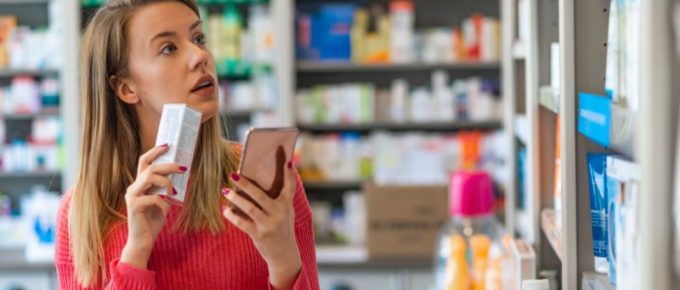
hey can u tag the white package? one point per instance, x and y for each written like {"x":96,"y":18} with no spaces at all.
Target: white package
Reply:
{"x":179,"y":129}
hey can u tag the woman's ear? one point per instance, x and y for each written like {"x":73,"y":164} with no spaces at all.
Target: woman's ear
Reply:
{"x":124,"y":89}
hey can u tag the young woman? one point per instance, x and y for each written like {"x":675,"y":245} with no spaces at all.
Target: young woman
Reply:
{"x":112,"y":233}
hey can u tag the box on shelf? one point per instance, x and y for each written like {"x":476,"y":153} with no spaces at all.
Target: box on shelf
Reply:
{"x":403,"y":221}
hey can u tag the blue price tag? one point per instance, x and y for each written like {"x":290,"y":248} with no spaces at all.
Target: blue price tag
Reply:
{"x":594,"y":117}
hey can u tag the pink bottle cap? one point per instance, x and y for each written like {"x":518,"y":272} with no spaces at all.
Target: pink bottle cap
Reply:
{"x":470,"y":194}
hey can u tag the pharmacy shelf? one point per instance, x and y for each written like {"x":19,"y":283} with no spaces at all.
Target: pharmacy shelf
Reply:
{"x":15,"y":260}
{"x":619,"y":120}
{"x":33,"y":175}
{"x":27,"y":72}
{"x":549,"y":99}
{"x":97,"y":3}
{"x":332,"y":185}
{"x":392,"y":126}
{"x":243,"y":113}
{"x":27,"y":117}
{"x":522,"y":128}
{"x":337,"y":67}
{"x":552,"y":230}
{"x":357,"y":257}
{"x":18,"y":2}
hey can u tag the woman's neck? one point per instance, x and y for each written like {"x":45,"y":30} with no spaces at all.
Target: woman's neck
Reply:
{"x":148,"y":127}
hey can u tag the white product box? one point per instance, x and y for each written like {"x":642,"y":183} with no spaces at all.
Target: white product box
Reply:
{"x":524,"y":259}
{"x":178,"y":128}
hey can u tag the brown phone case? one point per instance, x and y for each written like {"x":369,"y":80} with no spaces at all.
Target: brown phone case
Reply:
{"x":264,"y":158}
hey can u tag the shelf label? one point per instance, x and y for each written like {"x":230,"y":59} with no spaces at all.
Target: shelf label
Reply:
{"x":594,"y":117}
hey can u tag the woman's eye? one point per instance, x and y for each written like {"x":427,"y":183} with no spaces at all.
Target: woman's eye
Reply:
{"x":201,"y":39}
{"x":168,"y":49}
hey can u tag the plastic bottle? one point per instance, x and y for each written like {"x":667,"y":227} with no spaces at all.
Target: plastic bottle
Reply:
{"x":231,"y":33}
{"x":471,"y":209}
{"x":457,"y":274}
{"x":260,"y":24}
{"x":402,"y":35}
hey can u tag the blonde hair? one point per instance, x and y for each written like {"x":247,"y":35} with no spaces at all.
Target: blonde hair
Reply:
{"x":111,"y":148}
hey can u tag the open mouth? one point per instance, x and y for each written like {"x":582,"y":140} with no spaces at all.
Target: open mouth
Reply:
{"x":203,"y":83}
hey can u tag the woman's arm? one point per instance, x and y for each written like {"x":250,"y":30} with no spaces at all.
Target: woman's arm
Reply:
{"x":121,"y":275}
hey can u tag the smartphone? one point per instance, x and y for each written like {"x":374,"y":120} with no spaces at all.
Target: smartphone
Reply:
{"x":264,"y":157}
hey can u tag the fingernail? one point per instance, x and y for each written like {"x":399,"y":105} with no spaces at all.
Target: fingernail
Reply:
{"x":290,"y":165}
{"x":235,"y":177}
{"x":225,"y":191}
{"x":183,"y":168}
{"x":164,"y":145}
{"x":174,"y":191}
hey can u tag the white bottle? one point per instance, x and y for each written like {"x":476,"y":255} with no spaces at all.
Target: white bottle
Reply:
{"x":402,"y":32}
{"x":399,"y":91}
{"x":443,"y":97}
{"x":260,"y":24}
{"x":421,"y":105}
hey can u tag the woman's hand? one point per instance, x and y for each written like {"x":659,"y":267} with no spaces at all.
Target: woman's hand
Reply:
{"x":147,"y":212}
{"x":271,"y":225}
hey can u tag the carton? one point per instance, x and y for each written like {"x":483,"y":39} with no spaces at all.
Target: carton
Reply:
{"x":403,"y":221}
{"x":178,"y":128}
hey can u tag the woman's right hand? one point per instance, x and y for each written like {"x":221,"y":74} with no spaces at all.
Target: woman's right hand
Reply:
{"x":147,"y":212}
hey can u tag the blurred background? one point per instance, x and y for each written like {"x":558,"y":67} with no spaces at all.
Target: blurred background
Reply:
{"x":458,"y":145}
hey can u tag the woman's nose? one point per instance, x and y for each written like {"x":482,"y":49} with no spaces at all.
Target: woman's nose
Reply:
{"x":198,"y":57}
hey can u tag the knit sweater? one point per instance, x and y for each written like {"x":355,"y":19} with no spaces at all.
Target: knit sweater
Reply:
{"x":201,"y":260}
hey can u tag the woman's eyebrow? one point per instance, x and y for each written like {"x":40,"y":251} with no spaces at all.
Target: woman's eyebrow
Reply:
{"x":195,"y":25}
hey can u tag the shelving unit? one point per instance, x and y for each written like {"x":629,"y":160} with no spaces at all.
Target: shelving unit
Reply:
{"x":335,"y":67}
{"x":647,"y":137}
{"x":392,"y":126}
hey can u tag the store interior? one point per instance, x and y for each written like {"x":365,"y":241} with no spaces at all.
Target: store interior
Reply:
{"x":458,"y":145}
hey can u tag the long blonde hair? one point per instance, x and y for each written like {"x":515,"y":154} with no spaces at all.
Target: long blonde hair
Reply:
{"x":111,"y":148}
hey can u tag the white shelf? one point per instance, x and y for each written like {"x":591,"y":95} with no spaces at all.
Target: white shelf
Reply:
{"x":27,"y":72}
{"x":549,"y":98}
{"x":522,"y":128}
{"x":38,"y":174}
{"x":341,"y":254}
{"x":596,"y":281}
{"x":550,"y":224}
{"x":21,"y":117}
{"x":519,"y":50}
{"x":393,"y":126}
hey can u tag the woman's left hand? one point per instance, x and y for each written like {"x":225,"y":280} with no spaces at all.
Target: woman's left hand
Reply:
{"x":271,"y":225}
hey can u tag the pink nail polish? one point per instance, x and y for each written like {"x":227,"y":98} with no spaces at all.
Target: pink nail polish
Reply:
{"x":183,"y":168}
{"x":225,"y":191}
{"x":235,"y":177}
{"x":290,"y":165}
{"x":164,"y":145}
{"x":174,"y":191}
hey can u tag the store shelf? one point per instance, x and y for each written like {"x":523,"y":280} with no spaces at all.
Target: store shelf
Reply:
{"x":337,"y":67}
{"x":522,"y":128}
{"x":45,"y":174}
{"x":607,"y":124}
{"x":15,"y":260}
{"x":332,"y":185}
{"x":341,"y":255}
{"x":27,"y":72}
{"x":356,"y":257}
{"x":550,"y":224}
{"x":27,"y":117}
{"x":549,"y":99}
{"x":391,"y":126}
{"x":244,"y":113}
{"x":97,"y":3}
{"x":519,"y":50}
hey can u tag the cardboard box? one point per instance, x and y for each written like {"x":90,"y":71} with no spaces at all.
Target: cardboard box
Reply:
{"x":403,"y":222}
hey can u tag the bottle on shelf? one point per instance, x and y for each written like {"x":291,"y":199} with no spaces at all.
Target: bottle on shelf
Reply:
{"x":472,"y":221}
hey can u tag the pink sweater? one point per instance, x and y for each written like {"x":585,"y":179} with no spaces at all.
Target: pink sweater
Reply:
{"x":227,"y":260}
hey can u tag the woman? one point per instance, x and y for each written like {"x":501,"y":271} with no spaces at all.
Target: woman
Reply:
{"x":138,"y":55}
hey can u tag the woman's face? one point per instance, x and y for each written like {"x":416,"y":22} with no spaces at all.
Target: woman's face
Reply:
{"x":168,"y":61}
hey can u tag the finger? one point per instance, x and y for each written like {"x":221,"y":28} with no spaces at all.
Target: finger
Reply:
{"x":166,"y":168}
{"x":240,"y":222}
{"x":251,"y":210}
{"x":146,"y":181}
{"x":151,"y":155}
{"x":254,"y":191}
{"x":143,"y":203}
{"x":289,"y":184}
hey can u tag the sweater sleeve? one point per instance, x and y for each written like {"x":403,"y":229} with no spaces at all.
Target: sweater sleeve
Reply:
{"x":120,"y":275}
{"x":308,"y":278}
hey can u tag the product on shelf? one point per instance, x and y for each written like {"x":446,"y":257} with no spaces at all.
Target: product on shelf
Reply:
{"x":597,"y":170}
{"x":7,"y":25}
{"x":24,"y":48}
{"x":25,"y":95}
{"x":344,"y":32}
{"x":393,"y":159}
{"x":341,"y":225}
{"x":472,"y":226}
{"x":467,"y":99}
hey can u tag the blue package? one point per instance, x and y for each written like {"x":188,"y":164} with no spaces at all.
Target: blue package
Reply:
{"x":521,"y":177}
{"x":613,"y":193}
{"x":333,"y":34}
{"x":594,"y":117}
{"x":597,"y":177}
